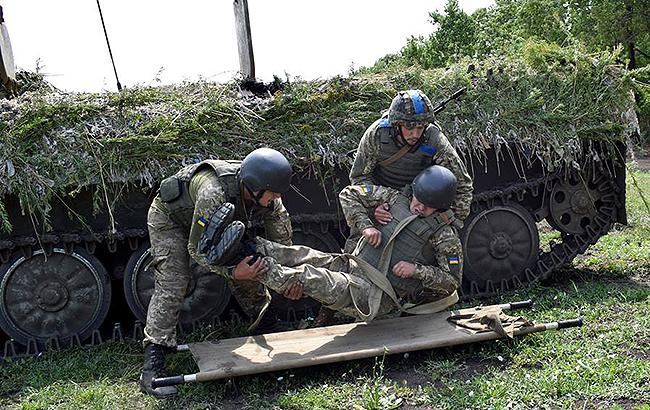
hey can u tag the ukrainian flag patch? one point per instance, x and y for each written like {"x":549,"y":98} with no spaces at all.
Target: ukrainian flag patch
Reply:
{"x":454,"y":260}
{"x":201,"y":221}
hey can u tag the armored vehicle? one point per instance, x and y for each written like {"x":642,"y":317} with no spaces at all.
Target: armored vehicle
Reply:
{"x":544,"y":140}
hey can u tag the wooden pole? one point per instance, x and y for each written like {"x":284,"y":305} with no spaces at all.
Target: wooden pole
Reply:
{"x":244,"y":40}
{"x":7,"y":68}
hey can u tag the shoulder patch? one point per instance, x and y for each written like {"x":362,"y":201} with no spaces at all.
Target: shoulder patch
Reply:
{"x":453,"y":260}
{"x":428,"y":150}
{"x":384,"y":123}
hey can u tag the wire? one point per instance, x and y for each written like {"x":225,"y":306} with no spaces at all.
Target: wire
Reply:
{"x":119,"y":86}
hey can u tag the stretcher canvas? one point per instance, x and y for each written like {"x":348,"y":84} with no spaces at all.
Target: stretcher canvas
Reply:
{"x":300,"y":348}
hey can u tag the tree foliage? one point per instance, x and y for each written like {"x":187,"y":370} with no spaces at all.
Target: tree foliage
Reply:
{"x":507,"y":26}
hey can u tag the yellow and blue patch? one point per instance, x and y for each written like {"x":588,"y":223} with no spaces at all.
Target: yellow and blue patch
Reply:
{"x":454,"y":260}
{"x":202,"y":221}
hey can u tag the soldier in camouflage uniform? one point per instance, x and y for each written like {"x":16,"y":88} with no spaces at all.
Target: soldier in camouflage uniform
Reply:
{"x":394,"y":149}
{"x":176,"y":221}
{"x":403,"y":142}
{"x":413,"y":260}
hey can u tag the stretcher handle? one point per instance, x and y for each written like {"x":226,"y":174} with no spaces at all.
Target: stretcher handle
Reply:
{"x":167,"y":381}
{"x":563,"y":324}
{"x":521,"y":304}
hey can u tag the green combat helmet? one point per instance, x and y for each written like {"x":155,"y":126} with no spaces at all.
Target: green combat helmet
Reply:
{"x":435,"y":187}
{"x":265,"y":169}
{"x":411,"y":108}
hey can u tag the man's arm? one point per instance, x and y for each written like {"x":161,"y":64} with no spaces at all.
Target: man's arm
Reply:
{"x":365,"y":159}
{"x":277,"y":224}
{"x":356,"y":200}
{"x":446,"y":275}
{"x":208,"y":196}
{"x":449,"y":158}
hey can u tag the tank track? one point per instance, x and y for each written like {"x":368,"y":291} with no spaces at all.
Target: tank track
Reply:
{"x":548,"y":261}
{"x":560,"y":253}
{"x":118,"y":332}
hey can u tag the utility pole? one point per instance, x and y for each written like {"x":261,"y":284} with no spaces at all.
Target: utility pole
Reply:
{"x":7,"y":69}
{"x":244,"y":40}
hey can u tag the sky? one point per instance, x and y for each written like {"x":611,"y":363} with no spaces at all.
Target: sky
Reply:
{"x":162,"y":42}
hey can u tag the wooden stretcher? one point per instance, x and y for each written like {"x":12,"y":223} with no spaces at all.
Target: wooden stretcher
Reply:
{"x":300,"y":348}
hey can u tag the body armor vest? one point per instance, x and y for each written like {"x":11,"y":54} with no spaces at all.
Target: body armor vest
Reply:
{"x":403,"y":171}
{"x":181,"y":209}
{"x":411,"y":245}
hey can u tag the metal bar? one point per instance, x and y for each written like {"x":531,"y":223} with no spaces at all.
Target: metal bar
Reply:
{"x":517,"y":305}
{"x":110,"y":53}
{"x":173,"y":380}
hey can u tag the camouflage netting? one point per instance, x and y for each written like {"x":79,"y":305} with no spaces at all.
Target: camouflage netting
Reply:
{"x":545,"y":101}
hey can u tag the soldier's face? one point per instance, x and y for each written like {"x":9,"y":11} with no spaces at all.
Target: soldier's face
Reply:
{"x":411,"y":134}
{"x":420,"y":209}
{"x":268,"y":198}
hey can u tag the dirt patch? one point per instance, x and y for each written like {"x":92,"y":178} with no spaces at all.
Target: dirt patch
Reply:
{"x":643,"y":164}
{"x":407,"y":377}
{"x":471,"y":367}
{"x":643,"y":355}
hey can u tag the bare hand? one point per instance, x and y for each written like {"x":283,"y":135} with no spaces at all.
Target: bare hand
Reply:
{"x":294,"y":291}
{"x":244,"y":271}
{"x":382,"y":214}
{"x":373,"y":236}
{"x":404,"y":269}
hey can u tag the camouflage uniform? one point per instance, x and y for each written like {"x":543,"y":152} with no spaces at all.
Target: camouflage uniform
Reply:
{"x":175,"y":228}
{"x":378,"y":144}
{"x":342,"y":283}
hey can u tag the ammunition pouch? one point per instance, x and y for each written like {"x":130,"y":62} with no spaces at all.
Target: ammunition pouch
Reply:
{"x":171,"y":189}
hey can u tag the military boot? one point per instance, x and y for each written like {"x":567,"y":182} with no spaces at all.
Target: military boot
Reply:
{"x":154,"y":367}
{"x":217,"y":223}
{"x":225,"y":251}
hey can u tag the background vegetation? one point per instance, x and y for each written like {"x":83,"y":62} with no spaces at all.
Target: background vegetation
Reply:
{"x":506,"y":27}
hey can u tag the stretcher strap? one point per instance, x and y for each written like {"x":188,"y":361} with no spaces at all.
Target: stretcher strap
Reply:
{"x":489,"y":319}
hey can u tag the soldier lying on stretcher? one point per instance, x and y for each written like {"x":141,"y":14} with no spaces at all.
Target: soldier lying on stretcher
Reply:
{"x":413,"y":263}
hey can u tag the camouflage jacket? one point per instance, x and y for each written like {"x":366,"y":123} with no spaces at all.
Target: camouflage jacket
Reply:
{"x":358,"y":201}
{"x":443,"y":153}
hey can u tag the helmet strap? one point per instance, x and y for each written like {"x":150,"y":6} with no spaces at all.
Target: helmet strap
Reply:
{"x":256,"y":197}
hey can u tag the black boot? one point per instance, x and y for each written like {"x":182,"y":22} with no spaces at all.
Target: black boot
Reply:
{"x":230,"y":252}
{"x":228,"y":247}
{"x":217,"y":223}
{"x":154,"y":367}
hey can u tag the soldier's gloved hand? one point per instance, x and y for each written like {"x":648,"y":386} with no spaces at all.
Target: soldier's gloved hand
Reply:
{"x":382,"y":213}
{"x":244,"y":271}
{"x":404,"y":269}
{"x":294,"y":291}
{"x":373,"y":236}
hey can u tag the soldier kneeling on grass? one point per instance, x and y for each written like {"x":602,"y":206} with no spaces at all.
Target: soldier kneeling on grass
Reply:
{"x":222,"y":197}
{"x":411,"y":264}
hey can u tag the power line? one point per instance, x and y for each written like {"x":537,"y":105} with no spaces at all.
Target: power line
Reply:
{"x":119,"y":86}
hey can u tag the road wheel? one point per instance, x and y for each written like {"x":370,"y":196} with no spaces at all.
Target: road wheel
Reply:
{"x":56,"y":295}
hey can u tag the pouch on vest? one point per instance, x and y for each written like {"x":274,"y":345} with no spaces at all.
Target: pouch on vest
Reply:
{"x":170,"y":189}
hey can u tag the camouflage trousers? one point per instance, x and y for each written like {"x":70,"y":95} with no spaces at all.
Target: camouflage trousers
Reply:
{"x":333,"y":279}
{"x":172,"y":273}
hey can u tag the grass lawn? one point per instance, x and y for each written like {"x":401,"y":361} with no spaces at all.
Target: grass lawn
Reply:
{"x":604,"y":364}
